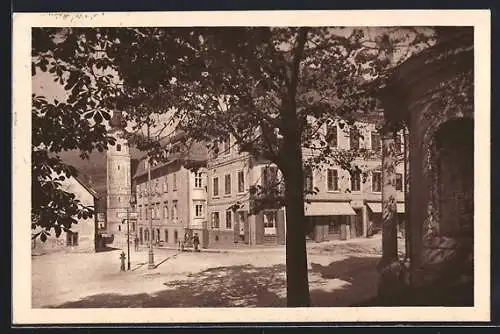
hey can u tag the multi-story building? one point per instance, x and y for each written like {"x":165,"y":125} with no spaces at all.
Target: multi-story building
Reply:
{"x":174,"y":200}
{"x":339,"y":204}
{"x":211,"y":194}
{"x":231,"y":174}
{"x":348,"y":204}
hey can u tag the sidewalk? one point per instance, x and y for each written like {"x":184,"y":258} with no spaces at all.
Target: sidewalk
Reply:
{"x":245,"y":248}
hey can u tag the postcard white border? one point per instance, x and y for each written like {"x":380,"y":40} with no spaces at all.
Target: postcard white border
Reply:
{"x":21,"y":122}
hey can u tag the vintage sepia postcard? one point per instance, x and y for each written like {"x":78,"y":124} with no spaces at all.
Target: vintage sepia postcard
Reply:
{"x":251,"y":166}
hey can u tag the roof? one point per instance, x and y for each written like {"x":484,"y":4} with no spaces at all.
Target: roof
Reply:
{"x":86,"y":183}
{"x":192,"y":152}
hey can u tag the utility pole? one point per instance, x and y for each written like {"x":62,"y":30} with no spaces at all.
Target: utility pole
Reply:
{"x":151,"y":261}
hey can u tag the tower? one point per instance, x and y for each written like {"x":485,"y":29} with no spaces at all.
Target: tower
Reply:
{"x":118,"y":180}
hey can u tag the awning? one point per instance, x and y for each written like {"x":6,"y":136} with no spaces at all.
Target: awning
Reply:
{"x":376,"y":207}
{"x":328,"y":209}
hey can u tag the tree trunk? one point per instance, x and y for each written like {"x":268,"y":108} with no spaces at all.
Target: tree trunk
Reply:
{"x":296,"y":255}
{"x":290,"y":163}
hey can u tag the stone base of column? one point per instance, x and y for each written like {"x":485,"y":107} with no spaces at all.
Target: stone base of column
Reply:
{"x":391,"y":287}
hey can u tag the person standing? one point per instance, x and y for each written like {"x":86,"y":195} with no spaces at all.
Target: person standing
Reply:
{"x":196,"y":242}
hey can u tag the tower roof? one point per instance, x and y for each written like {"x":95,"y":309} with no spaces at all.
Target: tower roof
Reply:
{"x":117,"y":122}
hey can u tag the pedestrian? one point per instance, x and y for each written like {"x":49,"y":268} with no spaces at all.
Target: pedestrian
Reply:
{"x":196,"y":242}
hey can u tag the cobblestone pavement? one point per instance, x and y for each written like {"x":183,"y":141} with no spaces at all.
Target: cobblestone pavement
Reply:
{"x":340,"y":274}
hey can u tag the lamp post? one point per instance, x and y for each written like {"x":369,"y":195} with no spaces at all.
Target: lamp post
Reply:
{"x":132,"y":202}
{"x":128,"y":239}
{"x":151,"y":261}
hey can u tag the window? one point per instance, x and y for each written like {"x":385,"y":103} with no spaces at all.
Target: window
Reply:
{"x":216,"y":186}
{"x":141,"y":238}
{"x":376,"y":182}
{"x":198,"y":209}
{"x":158,"y":235}
{"x":118,"y":167}
{"x":227,"y":184}
{"x":269,"y":176}
{"x":356,"y":181}
{"x":174,"y":210}
{"x":118,"y":147}
{"x":399,"y":182}
{"x":165,"y":184}
{"x":166,"y":236}
{"x":157,"y":210}
{"x":165,"y":210}
{"x":354,"y":136}
{"x":176,"y":236}
{"x":139,"y":211}
{"x":376,"y":141}
{"x":241,"y":181}
{"x":332,"y":135}
{"x":269,"y":222}
{"x":229,"y":221}
{"x":174,"y":186}
{"x":215,"y":220}
{"x":308,"y":179}
{"x":146,"y":235}
{"x":71,"y":238}
{"x":398,"y":143}
{"x":119,"y":199}
{"x":197,"y":180}
{"x":119,"y":228}
{"x":332,"y":180}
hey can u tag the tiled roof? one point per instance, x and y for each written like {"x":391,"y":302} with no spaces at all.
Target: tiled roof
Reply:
{"x":191,"y":151}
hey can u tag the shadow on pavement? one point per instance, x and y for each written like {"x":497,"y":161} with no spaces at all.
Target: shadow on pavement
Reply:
{"x":217,"y":287}
{"x":249,"y":286}
{"x":359,"y":273}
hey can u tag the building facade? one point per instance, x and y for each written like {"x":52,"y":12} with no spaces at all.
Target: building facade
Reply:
{"x":342,"y":204}
{"x":82,"y":235}
{"x":232,"y":220}
{"x":171,"y":197}
{"x":339,"y":204}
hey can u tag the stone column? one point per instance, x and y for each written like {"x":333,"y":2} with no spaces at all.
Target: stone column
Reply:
{"x":236,"y":228}
{"x":280,"y":228}
{"x":259,"y":228}
{"x":389,"y":265}
{"x":365,"y":221}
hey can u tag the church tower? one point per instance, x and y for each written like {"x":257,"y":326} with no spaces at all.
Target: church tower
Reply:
{"x":118,"y":179}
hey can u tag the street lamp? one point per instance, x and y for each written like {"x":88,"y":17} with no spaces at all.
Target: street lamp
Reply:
{"x":132,"y":202}
{"x":151,"y":261}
